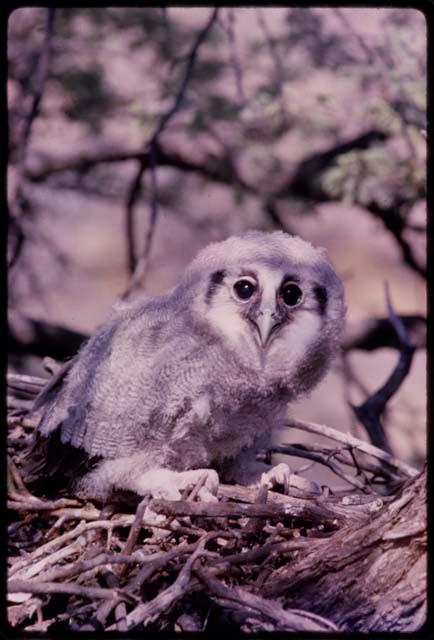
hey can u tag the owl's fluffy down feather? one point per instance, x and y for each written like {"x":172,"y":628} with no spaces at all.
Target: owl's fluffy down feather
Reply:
{"x":160,"y":386}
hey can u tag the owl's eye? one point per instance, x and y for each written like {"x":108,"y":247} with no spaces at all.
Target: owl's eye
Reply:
{"x":291,"y":294}
{"x":244,"y":288}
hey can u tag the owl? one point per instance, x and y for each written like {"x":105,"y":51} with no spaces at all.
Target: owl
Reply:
{"x":190,"y":383}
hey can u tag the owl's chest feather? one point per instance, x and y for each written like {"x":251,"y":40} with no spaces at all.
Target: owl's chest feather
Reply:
{"x":225,"y":430}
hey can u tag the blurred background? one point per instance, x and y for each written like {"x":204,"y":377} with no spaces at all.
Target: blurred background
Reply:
{"x":138,"y":135}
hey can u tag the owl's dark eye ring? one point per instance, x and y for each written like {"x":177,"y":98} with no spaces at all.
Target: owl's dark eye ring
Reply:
{"x":291,"y":294}
{"x":244,"y":288}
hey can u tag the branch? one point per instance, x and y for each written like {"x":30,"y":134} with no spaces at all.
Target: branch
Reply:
{"x":377,"y":333}
{"x":20,"y":205}
{"x":140,"y":267}
{"x":305,"y":184}
{"x":307,"y":509}
{"x":305,"y":181}
{"x":322,"y":458}
{"x":37,"y":85}
{"x":394,"y":222}
{"x":150,"y":611}
{"x":229,"y":30}
{"x":351,"y":441}
{"x":33,"y":586}
{"x":254,"y":606}
{"x":369,"y":413}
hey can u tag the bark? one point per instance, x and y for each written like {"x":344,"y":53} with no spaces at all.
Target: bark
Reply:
{"x":371,"y":576}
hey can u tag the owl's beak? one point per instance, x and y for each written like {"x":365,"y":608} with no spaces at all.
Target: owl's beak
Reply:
{"x":265,"y":323}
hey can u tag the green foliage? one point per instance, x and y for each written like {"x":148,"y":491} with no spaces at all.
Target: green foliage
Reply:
{"x":290,"y":88}
{"x":221,"y":108}
{"x":89,"y":98}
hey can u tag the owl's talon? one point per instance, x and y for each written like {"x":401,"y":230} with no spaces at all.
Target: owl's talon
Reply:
{"x":208,"y":491}
{"x":204,"y":495}
{"x":281,"y":475}
{"x":165,"y":484}
{"x":278,"y":475}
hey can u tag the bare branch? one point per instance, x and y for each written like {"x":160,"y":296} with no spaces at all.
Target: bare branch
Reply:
{"x":369,"y":413}
{"x":359,"y":445}
{"x":252,"y":605}
{"x":229,"y":29}
{"x":377,"y":333}
{"x":20,"y":206}
{"x":323,"y":459}
{"x":140,"y":266}
{"x":296,"y":508}
{"x":33,"y":586}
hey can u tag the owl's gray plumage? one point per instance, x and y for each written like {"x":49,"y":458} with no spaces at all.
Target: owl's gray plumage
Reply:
{"x":182,"y":381}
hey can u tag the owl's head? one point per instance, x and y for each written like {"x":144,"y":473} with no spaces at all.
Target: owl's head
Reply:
{"x":272,"y":296}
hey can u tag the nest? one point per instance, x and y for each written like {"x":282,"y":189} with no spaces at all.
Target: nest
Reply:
{"x":183,"y":565}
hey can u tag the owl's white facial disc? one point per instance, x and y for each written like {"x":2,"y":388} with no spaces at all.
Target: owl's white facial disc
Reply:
{"x":265,"y":310}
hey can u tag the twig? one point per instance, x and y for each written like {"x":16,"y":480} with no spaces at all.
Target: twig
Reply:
{"x":367,"y":50}
{"x":351,"y":441}
{"x":150,"y":611}
{"x":120,"y":608}
{"x":267,"y":550}
{"x":140,"y":266}
{"x":255,"y":524}
{"x":369,"y":413}
{"x":30,"y":586}
{"x":54,"y":544}
{"x":35,"y":504}
{"x":38,"y":84}
{"x":17,"y":403}
{"x":321,"y":459}
{"x":274,"y":53}
{"x":35,"y":568}
{"x":136,"y":526}
{"x":79,"y":567}
{"x":32,"y":384}
{"x":18,"y":481}
{"x":283,"y":619}
{"x":21,"y":205}
{"x":158,"y":562}
{"x":229,"y":29}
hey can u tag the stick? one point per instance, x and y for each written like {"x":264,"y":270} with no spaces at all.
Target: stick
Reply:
{"x":150,"y":611}
{"x":284,"y":619}
{"x":305,"y":510}
{"x":30,"y":586}
{"x":351,"y":441}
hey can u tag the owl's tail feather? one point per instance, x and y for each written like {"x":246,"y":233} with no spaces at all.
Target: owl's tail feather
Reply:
{"x":52,"y":466}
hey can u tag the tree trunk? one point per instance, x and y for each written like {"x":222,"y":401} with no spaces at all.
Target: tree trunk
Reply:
{"x":366,"y":577}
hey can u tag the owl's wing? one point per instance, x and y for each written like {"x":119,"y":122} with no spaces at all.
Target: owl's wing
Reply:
{"x":51,"y":389}
{"x":119,"y":385}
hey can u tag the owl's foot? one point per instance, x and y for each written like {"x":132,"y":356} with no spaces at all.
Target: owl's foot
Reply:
{"x":166,"y":484}
{"x":280,"y":475}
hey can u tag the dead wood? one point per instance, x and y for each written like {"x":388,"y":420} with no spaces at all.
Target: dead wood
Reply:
{"x":255,"y":561}
{"x":371,"y":578}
